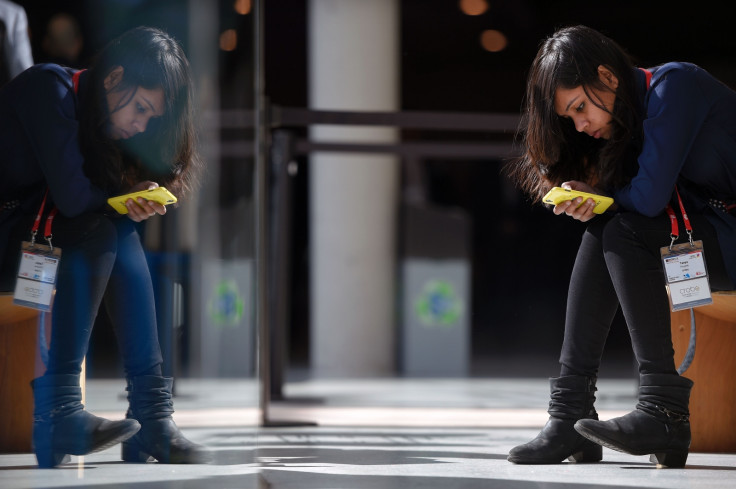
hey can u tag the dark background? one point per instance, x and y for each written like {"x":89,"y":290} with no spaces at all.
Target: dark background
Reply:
{"x":443,"y":68}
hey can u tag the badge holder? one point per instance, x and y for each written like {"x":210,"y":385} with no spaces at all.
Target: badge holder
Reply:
{"x":35,"y":285}
{"x":685,"y":272}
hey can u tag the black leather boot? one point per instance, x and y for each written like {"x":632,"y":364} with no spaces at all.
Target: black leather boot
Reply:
{"x":572,"y":398}
{"x":660,"y":425}
{"x":159,"y":438}
{"x":62,"y":427}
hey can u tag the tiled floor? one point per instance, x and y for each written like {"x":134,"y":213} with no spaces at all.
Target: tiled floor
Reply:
{"x":370,"y":434}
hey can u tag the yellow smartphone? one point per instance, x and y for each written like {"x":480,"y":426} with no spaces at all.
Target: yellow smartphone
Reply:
{"x":158,"y":194}
{"x":558,"y":194}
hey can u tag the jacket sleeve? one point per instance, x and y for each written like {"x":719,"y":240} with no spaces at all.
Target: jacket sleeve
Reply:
{"x":676,"y":110}
{"x":47,"y":114}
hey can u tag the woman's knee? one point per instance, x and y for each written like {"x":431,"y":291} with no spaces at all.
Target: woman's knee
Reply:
{"x":632,"y":231}
{"x":614,"y":231}
{"x":93,"y":233}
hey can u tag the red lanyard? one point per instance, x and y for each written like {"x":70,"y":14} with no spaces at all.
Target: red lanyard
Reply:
{"x":673,"y":219}
{"x":49,"y":220}
{"x":75,"y":80}
{"x":648,"y":75}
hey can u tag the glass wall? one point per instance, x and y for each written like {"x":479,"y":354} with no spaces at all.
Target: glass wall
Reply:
{"x":201,"y":253}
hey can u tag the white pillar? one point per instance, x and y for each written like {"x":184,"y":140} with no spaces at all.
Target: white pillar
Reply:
{"x":353,"y":65}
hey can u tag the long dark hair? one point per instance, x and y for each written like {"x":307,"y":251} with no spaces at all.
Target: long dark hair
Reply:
{"x":553,"y":150}
{"x":166,"y":151}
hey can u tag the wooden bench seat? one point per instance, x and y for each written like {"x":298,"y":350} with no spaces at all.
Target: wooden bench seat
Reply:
{"x":712,"y":412}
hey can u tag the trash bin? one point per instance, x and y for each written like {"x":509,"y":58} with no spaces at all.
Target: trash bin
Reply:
{"x":227,"y":319}
{"x":435,"y":292}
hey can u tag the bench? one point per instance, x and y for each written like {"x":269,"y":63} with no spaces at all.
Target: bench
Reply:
{"x":20,"y":362}
{"x":712,"y":401}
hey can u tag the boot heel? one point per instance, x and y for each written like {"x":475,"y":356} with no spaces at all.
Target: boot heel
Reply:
{"x":589,"y":454}
{"x":671,"y":459}
{"x":131,"y":453}
{"x":47,"y":458}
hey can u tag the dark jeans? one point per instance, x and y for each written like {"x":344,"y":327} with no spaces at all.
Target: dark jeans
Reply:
{"x":102,"y":259}
{"x":618,"y":264}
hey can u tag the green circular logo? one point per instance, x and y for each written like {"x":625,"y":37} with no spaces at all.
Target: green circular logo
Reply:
{"x":226,"y":305}
{"x":438,"y":304}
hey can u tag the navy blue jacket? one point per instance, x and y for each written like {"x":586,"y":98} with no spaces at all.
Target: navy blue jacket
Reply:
{"x":689,"y":140}
{"x":39,"y":148}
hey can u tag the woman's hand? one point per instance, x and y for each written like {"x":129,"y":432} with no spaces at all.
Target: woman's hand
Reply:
{"x":143,"y":209}
{"x":573,"y":208}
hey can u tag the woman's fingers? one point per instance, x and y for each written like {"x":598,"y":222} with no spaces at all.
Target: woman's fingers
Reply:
{"x":574,"y":209}
{"x":135,"y":212}
{"x":143,"y":209}
{"x":582,"y":212}
{"x":151,"y":207}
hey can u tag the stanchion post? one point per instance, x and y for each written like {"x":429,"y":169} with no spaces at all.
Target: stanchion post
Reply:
{"x":261,"y":208}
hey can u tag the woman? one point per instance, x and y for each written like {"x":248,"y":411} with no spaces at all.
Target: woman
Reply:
{"x":80,"y":137}
{"x":594,"y":122}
